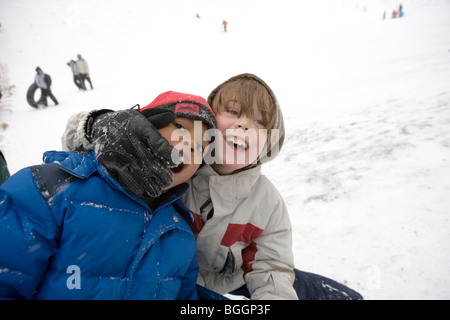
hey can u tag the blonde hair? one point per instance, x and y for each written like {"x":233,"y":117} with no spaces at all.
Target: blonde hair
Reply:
{"x":248,"y":93}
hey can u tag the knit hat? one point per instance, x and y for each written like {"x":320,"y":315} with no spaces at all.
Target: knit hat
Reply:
{"x":184,"y":105}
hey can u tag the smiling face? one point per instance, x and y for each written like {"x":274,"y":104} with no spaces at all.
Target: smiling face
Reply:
{"x":245,"y":114}
{"x":189,"y":144}
{"x":243,"y":138}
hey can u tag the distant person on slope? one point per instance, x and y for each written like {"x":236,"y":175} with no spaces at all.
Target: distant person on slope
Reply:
{"x":76,"y":75}
{"x":44,"y":82}
{"x":83,"y":70}
{"x":224,"y":25}
{"x":400,"y":11}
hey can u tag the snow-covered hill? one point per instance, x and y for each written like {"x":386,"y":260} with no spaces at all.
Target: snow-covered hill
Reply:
{"x":365,"y":170}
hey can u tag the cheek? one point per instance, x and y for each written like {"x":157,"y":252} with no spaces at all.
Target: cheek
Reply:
{"x":166,"y":132}
{"x":262,"y":139}
{"x":222,"y":122}
{"x":259,"y":141}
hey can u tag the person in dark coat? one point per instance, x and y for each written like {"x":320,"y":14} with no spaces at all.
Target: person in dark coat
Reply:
{"x":44,"y":82}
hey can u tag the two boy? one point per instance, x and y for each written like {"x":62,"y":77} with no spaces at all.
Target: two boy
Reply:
{"x":241,"y":224}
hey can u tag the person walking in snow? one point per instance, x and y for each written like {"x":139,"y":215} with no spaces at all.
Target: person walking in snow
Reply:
{"x":44,"y":82}
{"x":224,"y":25}
{"x":75,"y":228}
{"x":76,"y":76}
{"x":83,"y":70}
{"x":400,"y":11}
{"x":241,"y":223}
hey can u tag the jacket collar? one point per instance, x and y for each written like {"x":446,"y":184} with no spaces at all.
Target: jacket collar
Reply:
{"x":73,"y":162}
{"x":225,"y":191}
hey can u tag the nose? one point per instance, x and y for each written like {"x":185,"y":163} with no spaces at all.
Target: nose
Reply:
{"x":187,"y":143}
{"x":188,"y":146}
{"x":243,"y":122}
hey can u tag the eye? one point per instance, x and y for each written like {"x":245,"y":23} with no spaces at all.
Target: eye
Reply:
{"x":179,"y":126}
{"x":233,"y":112}
{"x":258,"y":119}
{"x":233,"y":109}
{"x":260,"y":123}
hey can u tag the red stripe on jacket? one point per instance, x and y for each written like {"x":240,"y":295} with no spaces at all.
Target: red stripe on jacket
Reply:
{"x":240,"y":232}
{"x":245,"y":233}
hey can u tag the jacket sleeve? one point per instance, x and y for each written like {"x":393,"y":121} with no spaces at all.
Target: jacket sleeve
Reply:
{"x":28,"y":236}
{"x":74,"y":136}
{"x":270,"y":259}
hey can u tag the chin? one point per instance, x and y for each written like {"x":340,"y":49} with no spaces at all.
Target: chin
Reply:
{"x":182,"y":174}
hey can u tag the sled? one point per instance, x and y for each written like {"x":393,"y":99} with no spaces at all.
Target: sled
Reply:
{"x":30,"y":96}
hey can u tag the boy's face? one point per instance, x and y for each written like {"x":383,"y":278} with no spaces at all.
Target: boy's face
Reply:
{"x":244,"y":138}
{"x":188,"y":143}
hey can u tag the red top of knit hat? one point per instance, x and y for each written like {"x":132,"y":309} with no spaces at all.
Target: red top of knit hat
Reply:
{"x":172,"y":96}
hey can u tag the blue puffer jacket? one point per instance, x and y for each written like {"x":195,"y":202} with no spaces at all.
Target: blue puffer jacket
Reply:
{"x":76,"y":233}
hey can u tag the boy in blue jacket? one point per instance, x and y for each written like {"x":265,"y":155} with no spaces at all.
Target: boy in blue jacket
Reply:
{"x":70,"y":230}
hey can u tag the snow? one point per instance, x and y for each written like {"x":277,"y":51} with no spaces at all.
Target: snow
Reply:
{"x":365,"y":167}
